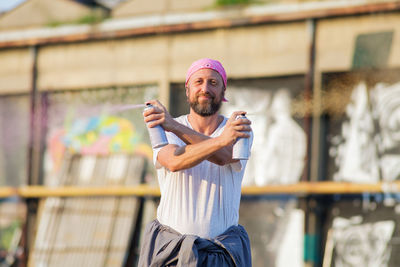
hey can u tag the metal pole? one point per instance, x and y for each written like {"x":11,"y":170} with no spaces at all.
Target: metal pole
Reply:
{"x":308,"y":92}
{"x":308,"y":203}
{"x":31,"y":203}
{"x":32,"y":126}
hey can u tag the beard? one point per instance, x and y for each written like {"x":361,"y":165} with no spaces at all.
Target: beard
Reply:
{"x":208,"y":108}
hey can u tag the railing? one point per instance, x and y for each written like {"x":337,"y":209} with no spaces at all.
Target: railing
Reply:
{"x":302,"y":188}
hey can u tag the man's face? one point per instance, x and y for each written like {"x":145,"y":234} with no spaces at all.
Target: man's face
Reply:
{"x":205,"y":91}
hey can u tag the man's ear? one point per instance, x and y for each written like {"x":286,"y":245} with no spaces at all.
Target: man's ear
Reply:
{"x":187,"y":91}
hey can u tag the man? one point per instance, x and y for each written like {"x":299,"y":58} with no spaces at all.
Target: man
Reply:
{"x":200,"y":183}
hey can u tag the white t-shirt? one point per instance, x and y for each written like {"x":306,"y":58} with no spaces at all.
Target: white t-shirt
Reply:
{"x":202,"y":200}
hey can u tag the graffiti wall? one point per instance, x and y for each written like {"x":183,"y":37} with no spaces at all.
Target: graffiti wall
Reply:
{"x":362,"y":232}
{"x":364,"y":140}
{"x":279,"y":149}
{"x":95,"y":122}
{"x":275,"y":232}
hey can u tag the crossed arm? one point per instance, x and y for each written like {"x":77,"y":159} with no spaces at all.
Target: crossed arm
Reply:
{"x":198,"y":147}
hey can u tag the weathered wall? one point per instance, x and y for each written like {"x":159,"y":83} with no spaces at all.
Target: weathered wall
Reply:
{"x":15,"y":70}
{"x":269,"y":51}
{"x":336,"y":39}
{"x":254,"y":51}
{"x":101,"y":64}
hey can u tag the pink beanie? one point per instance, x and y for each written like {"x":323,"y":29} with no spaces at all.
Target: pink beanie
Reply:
{"x":206,"y":63}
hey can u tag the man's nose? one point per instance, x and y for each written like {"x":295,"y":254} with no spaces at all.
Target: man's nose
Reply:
{"x":205,"y":88}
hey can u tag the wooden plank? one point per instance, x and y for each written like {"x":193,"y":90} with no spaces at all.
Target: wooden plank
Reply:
{"x":74,"y":191}
{"x":6,"y":192}
{"x":326,"y":187}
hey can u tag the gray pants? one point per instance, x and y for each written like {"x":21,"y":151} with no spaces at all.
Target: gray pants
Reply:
{"x":163,"y":246}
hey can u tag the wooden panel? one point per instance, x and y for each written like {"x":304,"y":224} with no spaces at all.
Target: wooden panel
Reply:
{"x":148,"y":190}
{"x":96,"y":238}
{"x":6,"y":192}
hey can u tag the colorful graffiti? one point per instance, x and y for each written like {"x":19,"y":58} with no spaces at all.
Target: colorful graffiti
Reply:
{"x":101,"y":135}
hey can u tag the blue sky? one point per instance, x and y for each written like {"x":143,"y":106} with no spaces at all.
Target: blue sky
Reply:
{"x":9,"y":4}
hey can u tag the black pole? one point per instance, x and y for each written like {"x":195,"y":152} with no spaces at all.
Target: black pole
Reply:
{"x":308,"y":92}
{"x":31,"y":204}
{"x":32,"y":117}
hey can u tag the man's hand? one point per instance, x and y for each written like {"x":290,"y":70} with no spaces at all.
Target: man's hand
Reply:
{"x":158,"y":115}
{"x":235,"y":128}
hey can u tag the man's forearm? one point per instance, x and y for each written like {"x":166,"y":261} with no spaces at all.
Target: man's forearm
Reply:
{"x":184,"y":157}
{"x":222,"y":156}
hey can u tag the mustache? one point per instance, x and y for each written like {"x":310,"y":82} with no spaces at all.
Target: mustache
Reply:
{"x":205,"y":94}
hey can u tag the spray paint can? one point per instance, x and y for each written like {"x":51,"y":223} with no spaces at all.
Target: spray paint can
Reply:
{"x":241,"y":149}
{"x":157,"y":134}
